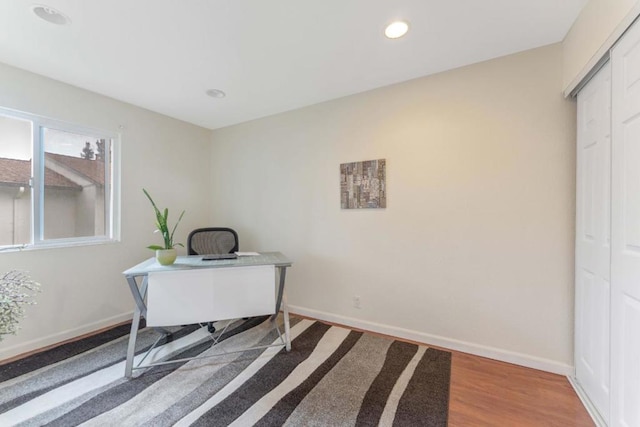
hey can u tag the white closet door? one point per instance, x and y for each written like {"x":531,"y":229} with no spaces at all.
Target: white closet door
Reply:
{"x":593,"y":238}
{"x":625,"y":232}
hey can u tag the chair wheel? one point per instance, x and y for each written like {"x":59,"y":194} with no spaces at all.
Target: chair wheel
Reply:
{"x":210,"y":327}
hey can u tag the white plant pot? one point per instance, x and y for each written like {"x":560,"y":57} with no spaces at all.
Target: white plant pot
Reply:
{"x":166,"y":256}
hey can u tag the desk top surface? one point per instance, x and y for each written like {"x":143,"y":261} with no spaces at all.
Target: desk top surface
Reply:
{"x":195,"y":261}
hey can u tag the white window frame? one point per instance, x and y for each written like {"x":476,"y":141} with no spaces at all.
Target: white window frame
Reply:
{"x":111,"y":185}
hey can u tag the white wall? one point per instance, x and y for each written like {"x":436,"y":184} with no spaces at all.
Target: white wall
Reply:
{"x":82,"y":287}
{"x":595,"y":30}
{"x":14,"y":215}
{"x":60,"y":213}
{"x":475,"y":248}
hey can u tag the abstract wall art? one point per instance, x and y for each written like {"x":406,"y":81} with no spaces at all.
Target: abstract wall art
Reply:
{"x":363,"y":185}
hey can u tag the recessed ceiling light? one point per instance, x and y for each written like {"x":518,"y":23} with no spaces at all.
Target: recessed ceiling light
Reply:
{"x":216,"y":93}
{"x":51,"y":15}
{"x":396,"y":29}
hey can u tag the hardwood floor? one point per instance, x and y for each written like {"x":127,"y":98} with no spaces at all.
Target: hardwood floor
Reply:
{"x":486,"y":392}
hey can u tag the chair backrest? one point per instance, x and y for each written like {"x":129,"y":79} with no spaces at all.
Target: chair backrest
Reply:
{"x":212,"y":240}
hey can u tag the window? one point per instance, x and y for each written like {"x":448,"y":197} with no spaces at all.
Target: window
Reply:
{"x":56,"y":182}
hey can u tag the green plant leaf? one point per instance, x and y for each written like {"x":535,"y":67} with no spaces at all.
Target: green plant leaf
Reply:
{"x":156,"y":247}
{"x":176,"y":226}
{"x":162,"y":224}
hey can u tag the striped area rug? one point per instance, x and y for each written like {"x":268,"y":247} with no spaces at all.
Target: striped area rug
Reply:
{"x":333,"y":376}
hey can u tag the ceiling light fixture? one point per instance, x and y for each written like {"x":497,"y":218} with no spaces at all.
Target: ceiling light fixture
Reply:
{"x":396,"y":29}
{"x":216,"y":93}
{"x":50,"y":15}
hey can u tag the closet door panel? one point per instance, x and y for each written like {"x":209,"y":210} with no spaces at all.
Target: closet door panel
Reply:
{"x":593,"y":250}
{"x":625,"y":256}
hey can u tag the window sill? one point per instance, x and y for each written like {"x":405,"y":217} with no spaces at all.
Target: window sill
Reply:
{"x":56,"y":245}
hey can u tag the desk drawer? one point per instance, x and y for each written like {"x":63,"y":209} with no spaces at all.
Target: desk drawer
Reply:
{"x":203,"y":295}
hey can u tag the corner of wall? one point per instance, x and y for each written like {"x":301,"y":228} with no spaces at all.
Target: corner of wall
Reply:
{"x":600,"y":24}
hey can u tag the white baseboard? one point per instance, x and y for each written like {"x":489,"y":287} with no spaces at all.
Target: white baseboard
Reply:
{"x":449,"y":343}
{"x":59,"y":337}
{"x":435,"y":340}
{"x":590,"y":407}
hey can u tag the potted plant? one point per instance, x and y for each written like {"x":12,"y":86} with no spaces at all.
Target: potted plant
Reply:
{"x":166,"y":255}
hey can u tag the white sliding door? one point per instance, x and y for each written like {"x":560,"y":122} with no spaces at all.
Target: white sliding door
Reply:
{"x":625,"y":255}
{"x":593,"y":238}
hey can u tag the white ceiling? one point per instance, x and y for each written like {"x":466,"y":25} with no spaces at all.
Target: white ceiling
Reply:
{"x":269,"y":56}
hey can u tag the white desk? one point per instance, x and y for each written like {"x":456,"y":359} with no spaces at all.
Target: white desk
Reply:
{"x":196,"y":291}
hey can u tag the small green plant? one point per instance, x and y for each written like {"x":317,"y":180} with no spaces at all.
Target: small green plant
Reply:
{"x":163,"y":226}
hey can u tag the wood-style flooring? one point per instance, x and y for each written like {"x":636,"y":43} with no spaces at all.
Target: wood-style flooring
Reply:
{"x":486,"y":392}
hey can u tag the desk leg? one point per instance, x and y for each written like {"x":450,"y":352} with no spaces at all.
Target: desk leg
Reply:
{"x":287,"y":335}
{"x":131,"y":349}
{"x":285,"y":307}
{"x":135,"y":323}
{"x":283,"y":274}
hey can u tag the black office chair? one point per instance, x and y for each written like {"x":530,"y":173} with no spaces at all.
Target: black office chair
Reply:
{"x":212,"y":241}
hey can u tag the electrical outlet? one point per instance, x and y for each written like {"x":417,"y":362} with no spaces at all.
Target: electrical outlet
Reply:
{"x":356,"y":301}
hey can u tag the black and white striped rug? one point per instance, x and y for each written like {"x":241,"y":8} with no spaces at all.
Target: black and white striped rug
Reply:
{"x":333,"y":376}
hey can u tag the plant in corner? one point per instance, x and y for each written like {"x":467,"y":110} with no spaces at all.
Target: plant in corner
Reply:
{"x":166,"y":255}
{"x":16,"y":291}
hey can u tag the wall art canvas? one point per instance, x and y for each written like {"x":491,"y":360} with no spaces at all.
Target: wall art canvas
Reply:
{"x":363,"y":185}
